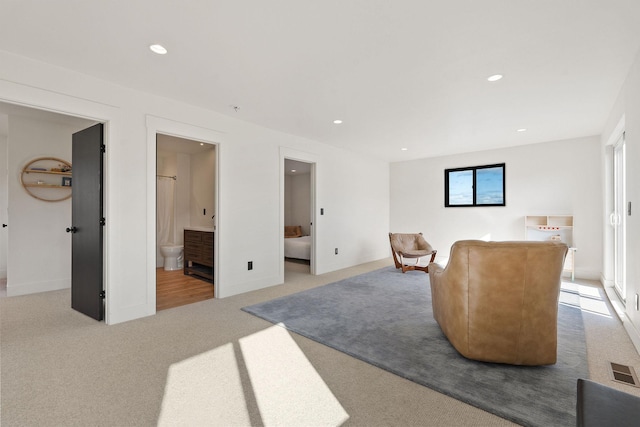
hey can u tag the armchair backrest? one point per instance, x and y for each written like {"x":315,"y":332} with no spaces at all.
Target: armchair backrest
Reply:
{"x":498,"y":301}
{"x":406,"y":242}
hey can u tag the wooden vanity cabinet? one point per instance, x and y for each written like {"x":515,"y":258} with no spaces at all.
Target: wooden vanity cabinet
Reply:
{"x":198,"y":254}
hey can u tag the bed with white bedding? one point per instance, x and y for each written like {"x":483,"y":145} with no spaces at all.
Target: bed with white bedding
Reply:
{"x":298,"y":247}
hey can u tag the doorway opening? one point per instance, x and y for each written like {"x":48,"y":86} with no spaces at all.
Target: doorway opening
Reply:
{"x":36,"y":145}
{"x":185,"y":221}
{"x":299,"y":207}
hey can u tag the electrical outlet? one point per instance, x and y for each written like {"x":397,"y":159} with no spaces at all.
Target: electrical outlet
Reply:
{"x":336,"y":251}
{"x":250,"y":265}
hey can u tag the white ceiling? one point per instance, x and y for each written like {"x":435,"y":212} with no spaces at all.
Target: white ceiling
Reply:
{"x":400,"y":74}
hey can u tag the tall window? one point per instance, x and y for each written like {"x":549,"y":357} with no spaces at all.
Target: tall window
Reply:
{"x":475,"y":186}
{"x":618,"y":217}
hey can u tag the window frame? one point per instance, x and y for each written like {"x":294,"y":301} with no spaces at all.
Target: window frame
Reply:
{"x":474,"y":169}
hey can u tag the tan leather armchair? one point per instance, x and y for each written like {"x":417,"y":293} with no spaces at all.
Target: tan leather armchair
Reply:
{"x":498,"y":301}
{"x":411,"y":246}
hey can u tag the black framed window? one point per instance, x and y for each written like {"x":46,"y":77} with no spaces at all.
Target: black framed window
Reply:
{"x":475,"y":186}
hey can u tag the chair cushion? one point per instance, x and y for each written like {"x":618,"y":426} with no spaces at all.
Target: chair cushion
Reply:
{"x":410,"y":244}
{"x":414,"y":253}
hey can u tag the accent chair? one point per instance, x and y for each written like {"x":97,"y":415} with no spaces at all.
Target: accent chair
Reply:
{"x":410,"y":246}
{"x":498,"y":301}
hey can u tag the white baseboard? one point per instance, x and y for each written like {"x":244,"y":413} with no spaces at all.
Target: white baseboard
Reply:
{"x":606,"y":283}
{"x":14,"y":289}
{"x":634,"y":334}
{"x":584,"y":274}
{"x":619,"y":307}
{"x":129,"y":313}
{"x":248,"y":286}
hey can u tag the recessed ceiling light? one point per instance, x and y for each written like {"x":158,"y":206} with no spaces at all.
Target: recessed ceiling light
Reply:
{"x":293,"y":170}
{"x":495,"y":77}
{"x":403,"y":149}
{"x":522,"y":130}
{"x":337,"y":121}
{"x":158,"y":48}
{"x":202,"y":143}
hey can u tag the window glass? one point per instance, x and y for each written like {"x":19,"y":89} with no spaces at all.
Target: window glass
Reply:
{"x":490,"y":183}
{"x":461,"y":187}
{"x":475,"y":186}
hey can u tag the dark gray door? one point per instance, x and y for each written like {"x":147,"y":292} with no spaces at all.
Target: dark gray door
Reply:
{"x":87,"y":221}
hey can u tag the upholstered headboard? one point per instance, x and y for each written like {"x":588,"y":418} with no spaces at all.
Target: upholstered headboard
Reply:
{"x":292,"y":231}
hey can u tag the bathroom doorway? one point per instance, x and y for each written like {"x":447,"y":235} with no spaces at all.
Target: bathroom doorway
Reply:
{"x":185,"y":206}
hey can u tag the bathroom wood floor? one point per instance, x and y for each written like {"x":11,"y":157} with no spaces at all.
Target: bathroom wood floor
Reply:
{"x":174,"y":289}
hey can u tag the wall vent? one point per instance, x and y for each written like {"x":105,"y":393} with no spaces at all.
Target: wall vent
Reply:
{"x":624,"y":374}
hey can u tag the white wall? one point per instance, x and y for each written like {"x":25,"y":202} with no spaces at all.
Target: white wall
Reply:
{"x":626,"y":111}
{"x":203,"y":188}
{"x":39,"y":256}
{"x":249,"y":220}
{"x":183,"y":195}
{"x":560,"y":177}
{"x":288,"y":201}
{"x":354,"y":194}
{"x":3,"y":197}
{"x":298,"y":199}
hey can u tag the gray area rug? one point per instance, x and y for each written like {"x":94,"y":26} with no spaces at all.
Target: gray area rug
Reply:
{"x":384,"y":318}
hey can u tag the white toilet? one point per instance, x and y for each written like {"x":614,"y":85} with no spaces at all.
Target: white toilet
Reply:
{"x":173,"y":256}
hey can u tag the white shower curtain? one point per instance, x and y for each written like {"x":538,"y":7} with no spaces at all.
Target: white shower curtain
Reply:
{"x":164,"y":210}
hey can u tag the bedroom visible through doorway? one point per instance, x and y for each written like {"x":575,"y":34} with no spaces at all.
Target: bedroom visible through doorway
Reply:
{"x":298,"y":216}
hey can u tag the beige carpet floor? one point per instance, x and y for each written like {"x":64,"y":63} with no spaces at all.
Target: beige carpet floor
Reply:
{"x":212,"y":364}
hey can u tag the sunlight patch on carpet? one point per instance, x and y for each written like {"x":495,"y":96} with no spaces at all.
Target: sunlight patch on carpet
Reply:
{"x":266,"y":371}
{"x":589,"y":299}
{"x":205,"y":390}
{"x":288,"y":390}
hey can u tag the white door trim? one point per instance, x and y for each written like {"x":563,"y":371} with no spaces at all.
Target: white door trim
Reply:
{"x":41,"y":99}
{"x":165,"y":126}
{"x":291,"y":154}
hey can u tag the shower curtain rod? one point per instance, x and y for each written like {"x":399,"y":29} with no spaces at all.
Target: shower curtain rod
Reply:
{"x":167,"y":176}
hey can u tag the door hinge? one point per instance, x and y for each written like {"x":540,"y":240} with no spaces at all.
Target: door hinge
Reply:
{"x":102,"y":294}
{"x":103,"y":221}
{"x":103,"y":148}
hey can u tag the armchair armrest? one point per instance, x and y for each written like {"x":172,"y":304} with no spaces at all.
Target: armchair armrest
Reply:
{"x":449,"y":295}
